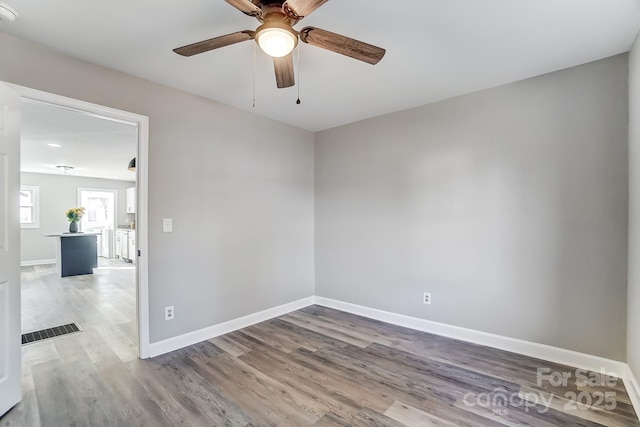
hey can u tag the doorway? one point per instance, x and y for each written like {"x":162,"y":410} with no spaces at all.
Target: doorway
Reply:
{"x":102,"y":204}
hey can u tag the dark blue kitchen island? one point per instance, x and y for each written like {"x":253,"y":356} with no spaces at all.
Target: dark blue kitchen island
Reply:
{"x":76,"y":253}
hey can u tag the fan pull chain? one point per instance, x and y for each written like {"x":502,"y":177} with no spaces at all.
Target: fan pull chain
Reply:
{"x":254,"y":75}
{"x":299,"y":75}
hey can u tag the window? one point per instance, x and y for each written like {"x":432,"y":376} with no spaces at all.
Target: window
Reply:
{"x":29,"y":206}
{"x":100,"y":208}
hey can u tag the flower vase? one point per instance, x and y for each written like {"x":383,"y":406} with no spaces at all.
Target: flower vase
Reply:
{"x":73,"y":227}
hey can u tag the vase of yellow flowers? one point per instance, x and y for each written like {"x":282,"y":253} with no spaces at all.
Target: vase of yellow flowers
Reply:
{"x":74,"y":215}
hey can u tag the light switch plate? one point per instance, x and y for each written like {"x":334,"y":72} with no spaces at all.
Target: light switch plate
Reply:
{"x":167,"y":225}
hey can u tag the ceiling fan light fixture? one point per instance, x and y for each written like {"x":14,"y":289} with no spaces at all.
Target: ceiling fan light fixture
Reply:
{"x":7,"y":13}
{"x":276,"y":40}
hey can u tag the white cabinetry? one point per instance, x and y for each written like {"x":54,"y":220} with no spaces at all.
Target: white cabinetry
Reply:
{"x":118,"y":246}
{"x":126,"y":245}
{"x":131,"y":200}
{"x":122,"y":245}
{"x":131,"y":244}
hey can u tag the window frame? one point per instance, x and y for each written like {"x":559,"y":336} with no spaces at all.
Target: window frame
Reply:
{"x":80,"y":190}
{"x":35,"y":208}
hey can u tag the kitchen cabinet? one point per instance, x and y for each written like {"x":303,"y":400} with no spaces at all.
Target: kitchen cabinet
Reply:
{"x":118,"y":247}
{"x":122,"y":244}
{"x":126,"y":245}
{"x":76,"y":253}
{"x":131,"y":200}
{"x":131,"y":244}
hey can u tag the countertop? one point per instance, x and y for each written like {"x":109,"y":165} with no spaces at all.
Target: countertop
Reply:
{"x":67,"y":234}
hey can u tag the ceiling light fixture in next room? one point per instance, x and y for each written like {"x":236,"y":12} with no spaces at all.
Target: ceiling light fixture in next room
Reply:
{"x":64,"y":168}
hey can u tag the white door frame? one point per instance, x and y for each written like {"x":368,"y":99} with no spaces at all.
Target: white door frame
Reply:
{"x":142,"y":183}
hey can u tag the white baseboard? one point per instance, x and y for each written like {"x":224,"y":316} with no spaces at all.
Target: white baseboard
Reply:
{"x":37,"y":262}
{"x":175,"y":343}
{"x":540,"y":351}
{"x":633,"y":388}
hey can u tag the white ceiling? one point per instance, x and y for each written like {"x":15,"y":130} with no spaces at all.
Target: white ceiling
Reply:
{"x":435,"y":49}
{"x":94,"y":146}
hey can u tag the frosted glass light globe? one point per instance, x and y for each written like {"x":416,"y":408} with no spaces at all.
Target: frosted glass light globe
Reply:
{"x":276,"y":42}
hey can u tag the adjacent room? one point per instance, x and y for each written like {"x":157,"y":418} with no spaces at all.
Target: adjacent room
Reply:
{"x":320,"y":213}
{"x":71,"y":159}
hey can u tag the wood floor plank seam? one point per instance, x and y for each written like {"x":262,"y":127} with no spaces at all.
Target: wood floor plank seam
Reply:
{"x":312,"y":367}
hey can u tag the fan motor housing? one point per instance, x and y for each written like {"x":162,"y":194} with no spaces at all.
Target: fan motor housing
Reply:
{"x":275,"y":12}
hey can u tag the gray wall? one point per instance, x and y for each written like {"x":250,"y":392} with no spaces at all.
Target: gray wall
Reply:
{"x":509,"y":205}
{"x":238,"y":187}
{"x":633,"y":301}
{"x":57,"y":194}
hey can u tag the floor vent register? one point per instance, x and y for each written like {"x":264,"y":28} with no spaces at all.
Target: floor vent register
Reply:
{"x":31,"y":337}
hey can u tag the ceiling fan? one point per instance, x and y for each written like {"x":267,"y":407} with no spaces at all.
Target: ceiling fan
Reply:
{"x":277,"y":38}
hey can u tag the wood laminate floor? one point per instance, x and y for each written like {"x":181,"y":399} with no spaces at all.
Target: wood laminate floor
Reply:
{"x":312,"y":367}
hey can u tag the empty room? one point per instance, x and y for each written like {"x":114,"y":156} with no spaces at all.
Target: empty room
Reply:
{"x":345,"y":214}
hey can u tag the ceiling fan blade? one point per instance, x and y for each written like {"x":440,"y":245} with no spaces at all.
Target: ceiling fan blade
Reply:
{"x":303,"y":8}
{"x":285,"y":76}
{"x":343,"y":45}
{"x":215,"y":43}
{"x":245,"y":6}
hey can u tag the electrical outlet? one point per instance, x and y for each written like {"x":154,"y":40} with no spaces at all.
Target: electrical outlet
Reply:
{"x":426,"y":298}
{"x":168,"y":312}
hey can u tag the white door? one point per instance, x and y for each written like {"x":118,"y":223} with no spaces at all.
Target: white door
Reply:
{"x":10,"y":340}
